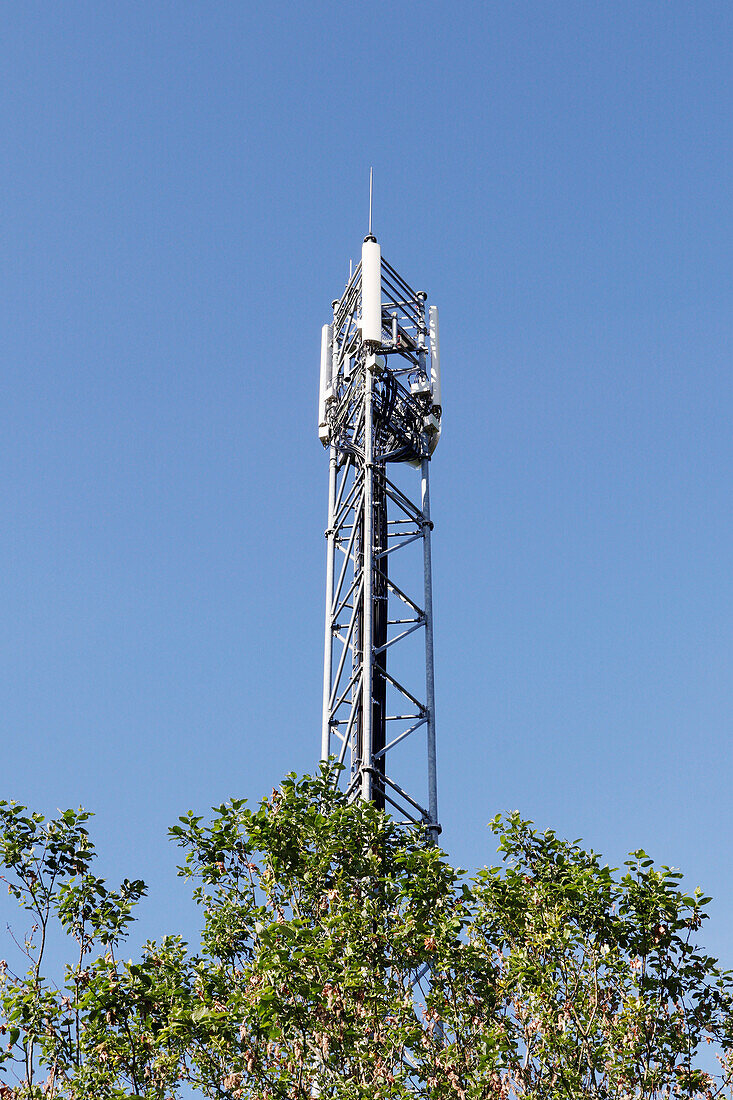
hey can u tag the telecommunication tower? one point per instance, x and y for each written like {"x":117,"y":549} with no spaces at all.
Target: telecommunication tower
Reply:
{"x":380,"y":417}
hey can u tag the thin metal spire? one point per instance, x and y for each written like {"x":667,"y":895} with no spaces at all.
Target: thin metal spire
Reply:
{"x":371,"y":175}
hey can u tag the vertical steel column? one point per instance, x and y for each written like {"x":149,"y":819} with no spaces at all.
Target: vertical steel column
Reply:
{"x":367,"y":750}
{"x":380,"y":632}
{"x":328,"y":643}
{"x":429,"y":659}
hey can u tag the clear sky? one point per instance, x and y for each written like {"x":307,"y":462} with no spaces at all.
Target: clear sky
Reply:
{"x":182,"y":187}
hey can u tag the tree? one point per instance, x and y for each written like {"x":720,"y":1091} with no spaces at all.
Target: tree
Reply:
{"x":104,"y":1029}
{"x":602,"y":990}
{"x":342,"y":956}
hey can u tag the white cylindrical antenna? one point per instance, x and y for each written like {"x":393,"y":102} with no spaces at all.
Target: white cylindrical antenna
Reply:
{"x":371,"y":291}
{"x":435,"y":356}
{"x":325,"y":380}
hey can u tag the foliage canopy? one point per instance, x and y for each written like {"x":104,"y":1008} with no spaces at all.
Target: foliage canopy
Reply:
{"x":342,"y":956}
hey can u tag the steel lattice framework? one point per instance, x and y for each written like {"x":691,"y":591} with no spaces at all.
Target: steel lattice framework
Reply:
{"x":379,"y":416}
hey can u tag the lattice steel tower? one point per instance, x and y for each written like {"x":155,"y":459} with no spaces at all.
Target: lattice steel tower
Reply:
{"x":379,"y":415}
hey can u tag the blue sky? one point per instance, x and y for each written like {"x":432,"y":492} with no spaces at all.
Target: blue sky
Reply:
{"x":183,"y":186}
